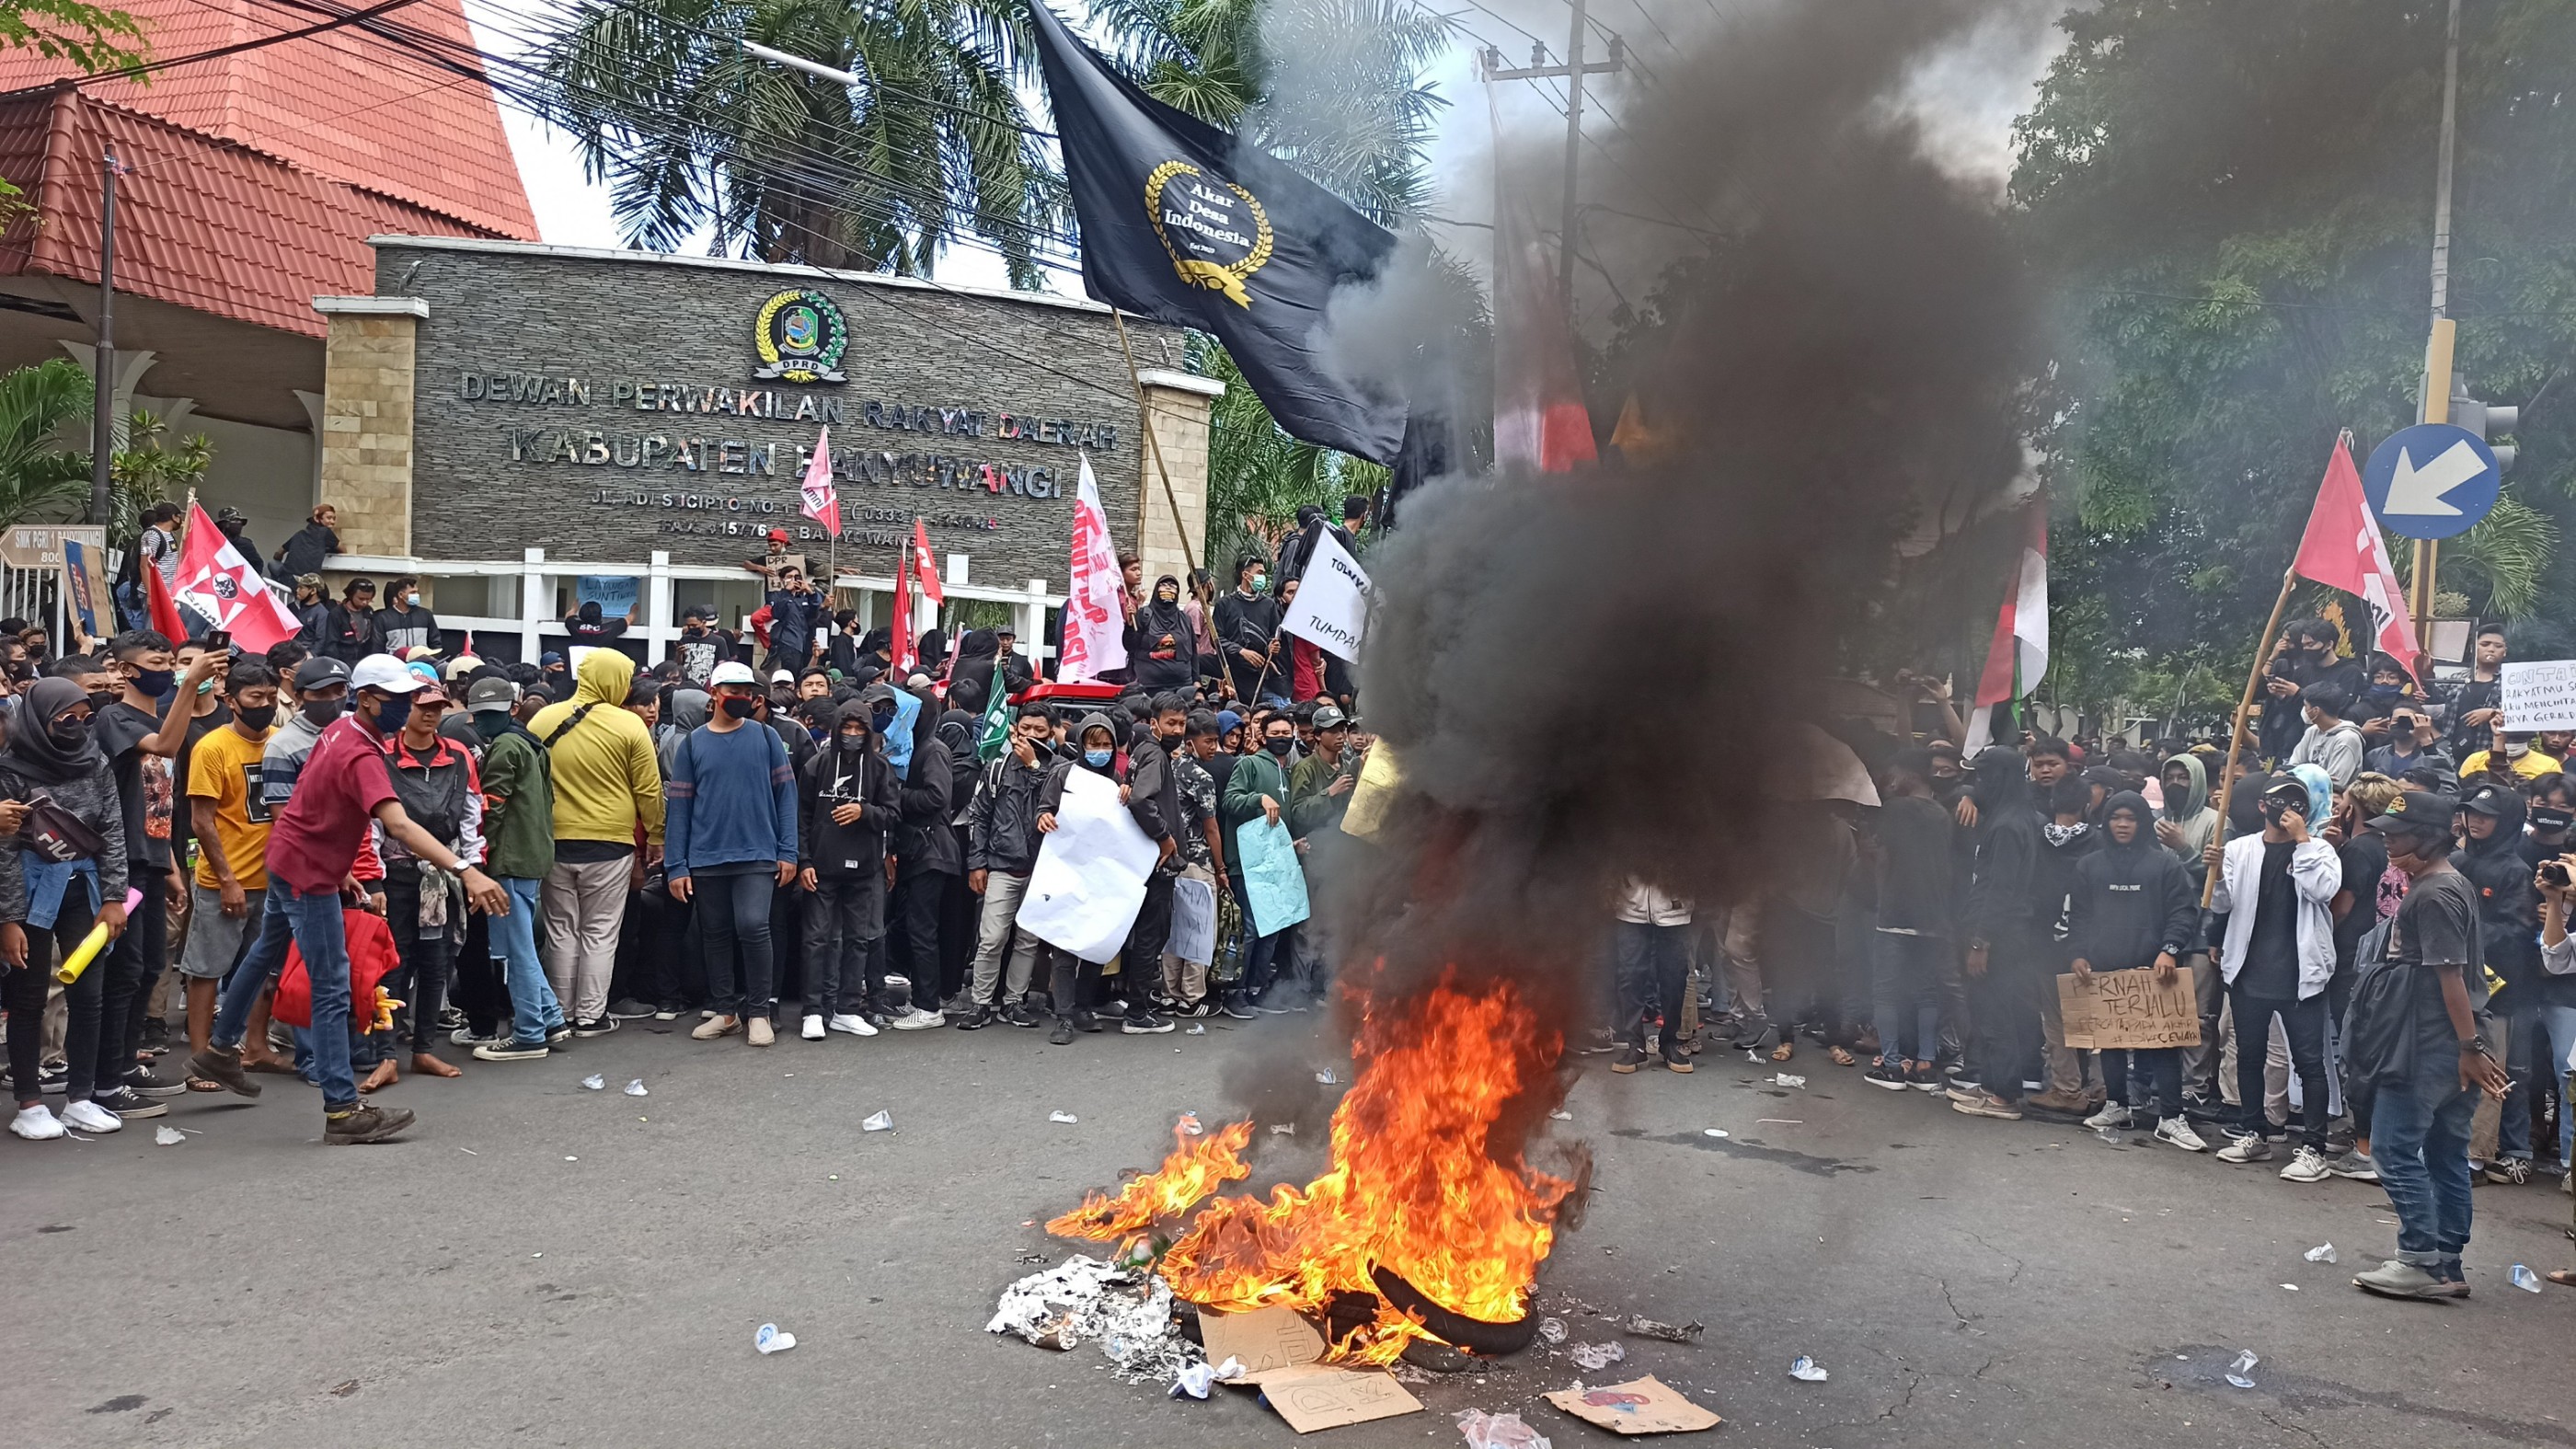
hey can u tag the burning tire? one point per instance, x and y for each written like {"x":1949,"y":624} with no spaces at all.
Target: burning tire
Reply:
{"x":1456,"y":1329}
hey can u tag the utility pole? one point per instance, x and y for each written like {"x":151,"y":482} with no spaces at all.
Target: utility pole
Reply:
{"x":2435,"y":404}
{"x":1573,"y":72}
{"x":103,"y":362}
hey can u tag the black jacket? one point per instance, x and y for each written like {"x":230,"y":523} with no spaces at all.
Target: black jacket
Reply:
{"x":347,"y":637}
{"x":2508,"y":904}
{"x":925,"y":841}
{"x":1002,"y":823}
{"x":304,"y":551}
{"x":1999,"y":896}
{"x":834,"y":778}
{"x":2052,"y":873}
{"x":2131,"y":901}
{"x":1916,"y":885}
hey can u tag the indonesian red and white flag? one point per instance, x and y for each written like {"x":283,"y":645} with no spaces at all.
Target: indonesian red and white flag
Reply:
{"x":2018,"y":658}
{"x":2343,"y":549}
{"x":216,"y":581}
{"x":1093,"y":644}
{"x":922,"y":568}
{"x":899,"y":645}
{"x":1540,"y":420}
{"x":822,"y":500}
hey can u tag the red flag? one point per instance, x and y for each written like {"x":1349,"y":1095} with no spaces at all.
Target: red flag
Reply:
{"x":922,"y":568}
{"x":217,"y":582}
{"x":165,"y":614}
{"x":1540,"y":421}
{"x":822,"y":501}
{"x":2343,"y":549}
{"x":899,"y":648}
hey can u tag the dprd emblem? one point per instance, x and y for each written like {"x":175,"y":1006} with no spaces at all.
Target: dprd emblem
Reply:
{"x":801,"y":336}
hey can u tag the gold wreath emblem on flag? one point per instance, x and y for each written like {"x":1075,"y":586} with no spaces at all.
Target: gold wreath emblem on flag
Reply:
{"x":1226,"y":277}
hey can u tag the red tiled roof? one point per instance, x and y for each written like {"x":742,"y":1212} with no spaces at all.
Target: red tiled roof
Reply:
{"x":342,"y":104}
{"x":200,"y":223}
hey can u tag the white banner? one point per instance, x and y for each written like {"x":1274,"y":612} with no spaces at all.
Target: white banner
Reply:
{"x":1089,"y":880}
{"x":2539,"y":695}
{"x":1093,"y":619}
{"x":1331,"y":607}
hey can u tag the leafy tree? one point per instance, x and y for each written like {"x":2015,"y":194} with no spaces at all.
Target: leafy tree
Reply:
{"x":689,"y":131}
{"x":2236,"y":201}
{"x":91,"y":37}
{"x":43,"y":482}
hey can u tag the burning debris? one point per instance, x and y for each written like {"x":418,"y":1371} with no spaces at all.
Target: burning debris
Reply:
{"x":1425,"y":1226}
{"x":1126,"y":1310}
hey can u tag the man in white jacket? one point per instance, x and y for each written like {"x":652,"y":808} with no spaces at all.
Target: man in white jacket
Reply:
{"x":1654,"y":974}
{"x":2277,"y":951}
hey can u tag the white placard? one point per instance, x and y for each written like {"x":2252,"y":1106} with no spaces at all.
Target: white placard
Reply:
{"x":1193,"y":921}
{"x":1089,"y":880}
{"x":1331,"y":607}
{"x":2540,"y":695}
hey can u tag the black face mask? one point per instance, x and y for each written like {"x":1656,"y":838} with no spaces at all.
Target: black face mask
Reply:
{"x":741,"y":708}
{"x":22,"y":669}
{"x":68,"y":732}
{"x":101,"y":698}
{"x":2550,"y":822}
{"x":1279,"y":747}
{"x":855,"y":744}
{"x":322,"y":711}
{"x":154,"y":682}
{"x":259,"y":718}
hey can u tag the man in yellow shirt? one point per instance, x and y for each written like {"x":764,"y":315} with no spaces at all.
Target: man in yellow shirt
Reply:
{"x":2526,"y":757}
{"x":607,"y":794}
{"x":230,"y":815}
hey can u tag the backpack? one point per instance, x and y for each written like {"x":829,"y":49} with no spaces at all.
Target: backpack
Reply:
{"x":2379,"y":1022}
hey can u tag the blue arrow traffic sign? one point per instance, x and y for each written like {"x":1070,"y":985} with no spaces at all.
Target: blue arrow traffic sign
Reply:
{"x":2431,"y":480}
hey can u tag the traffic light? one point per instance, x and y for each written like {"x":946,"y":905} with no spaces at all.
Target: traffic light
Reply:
{"x":2486,"y":420}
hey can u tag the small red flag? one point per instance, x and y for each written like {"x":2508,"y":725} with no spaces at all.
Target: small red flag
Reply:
{"x":165,"y":612}
{"x":220,"y":584}
{"x":922,"y":568}
{"x":899,"y":647}
{"x":2343,"y":549}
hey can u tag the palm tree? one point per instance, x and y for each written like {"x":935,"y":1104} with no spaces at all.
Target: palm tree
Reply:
{"x":691,"y":133}
{"x":39,"y":482}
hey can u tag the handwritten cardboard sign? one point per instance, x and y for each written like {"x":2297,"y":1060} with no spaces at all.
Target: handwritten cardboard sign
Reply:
{"x":1265,"y":1339}
{"x":1639,"y":1406}
{"x":2125,"y":1010}
{"x":2539,"y":695}
{"x":1327,"y":1396}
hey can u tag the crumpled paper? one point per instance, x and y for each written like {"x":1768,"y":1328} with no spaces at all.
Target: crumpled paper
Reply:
{"x":1127,"y":1311}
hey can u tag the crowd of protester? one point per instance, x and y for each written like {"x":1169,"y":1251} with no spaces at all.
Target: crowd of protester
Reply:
{"x":786,"y":829}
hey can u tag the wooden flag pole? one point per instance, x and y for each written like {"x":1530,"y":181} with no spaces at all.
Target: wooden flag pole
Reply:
{"x":2236,"y":727}
{"x":1153,"y":445}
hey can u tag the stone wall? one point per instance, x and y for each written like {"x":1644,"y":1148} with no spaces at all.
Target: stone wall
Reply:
{"x":367,"y":421}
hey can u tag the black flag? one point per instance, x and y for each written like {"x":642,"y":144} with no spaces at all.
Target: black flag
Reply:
{"x":1184,"y":224}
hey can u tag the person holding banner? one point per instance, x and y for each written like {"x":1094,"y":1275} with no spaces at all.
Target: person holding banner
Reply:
{"x":2133,"y":906}
{"x":1257,"y":790}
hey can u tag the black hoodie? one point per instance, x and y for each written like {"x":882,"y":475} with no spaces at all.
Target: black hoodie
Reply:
{"x":1999,"y":897}
{"x":2508,"y":905}
{"x":836,"y":777}
{"x":1168,"y":656}
{"x":2131,"y":901}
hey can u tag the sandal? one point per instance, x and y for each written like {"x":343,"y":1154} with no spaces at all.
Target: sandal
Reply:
{"x":1786,"y":1049}
{"x":2563,"y":1277}
{"x":279,"y":1065}
{"x":200,"y":1084}
{"x":1841,"y":1057}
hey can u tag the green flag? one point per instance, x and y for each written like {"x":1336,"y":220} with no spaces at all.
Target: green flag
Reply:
{"x":997,"y":718}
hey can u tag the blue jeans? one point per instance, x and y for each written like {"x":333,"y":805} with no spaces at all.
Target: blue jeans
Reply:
{"x":2541,"y":1052}
{"x":312,"y":922}
{"x":534,"y":1011}
{"x":1653,"y":974}
{"x":1907,"y":992}
{"x":2419,"y":1139}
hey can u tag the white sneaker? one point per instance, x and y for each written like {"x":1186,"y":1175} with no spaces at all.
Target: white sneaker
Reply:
{"x":2177,"y":1130}
{"x":36,"y":1124}
{"x":760,"y":1031}
{"x":854,"y":1025}
{"x":2246,"y":1147}
{"x":812,"y":1030}
{"x":2306,"y":1165}
{"x":2113,"y":1114}
{"x":91,"y":1117}
{"x":916,"y":1019}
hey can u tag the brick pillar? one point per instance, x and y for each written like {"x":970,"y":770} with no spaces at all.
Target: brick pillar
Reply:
{"x":367,"y":419}
{"x":1177,"y":405}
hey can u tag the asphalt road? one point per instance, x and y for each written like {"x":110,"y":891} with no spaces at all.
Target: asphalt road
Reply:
{"x":540,"y":1264}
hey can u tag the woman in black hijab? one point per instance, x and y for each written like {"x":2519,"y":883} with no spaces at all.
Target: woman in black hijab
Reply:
{"x":1167,"y":658}
{"x":48,"y":905}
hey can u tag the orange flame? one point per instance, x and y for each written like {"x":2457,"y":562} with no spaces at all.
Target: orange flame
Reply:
{"x":1196,"y":1168}
{"x":1414,"y":1184}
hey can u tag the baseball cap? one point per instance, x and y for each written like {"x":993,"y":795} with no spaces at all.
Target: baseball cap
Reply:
{"x":383,"y":671}
{"x":783,"y":676}
{"x":431,"y":692}
{"x":732,"y":671}
{"x":551,"y":656}
{"x":319,"y":671}
{"x":2484,"y":800}
{"x":308,"y":581}
{"x":1329,"y":717}
{"x":462,"y":665}
{"x":778,"y":535}
{"x":2418,"y":810}
{"x":490,"y":694}
{"x":419,"y":651}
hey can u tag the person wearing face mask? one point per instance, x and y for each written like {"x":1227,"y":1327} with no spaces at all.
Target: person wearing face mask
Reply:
{"x":699,"y":649}
{"x":2131,"y":905}
{"x":343,"y":793}
{"x":2272,"y":912}
{"x":1247,"y":630}
{"x":2477,"y":705}
{"x":2333,"y":742}
{"x":848,"y":799}
{"x":607,"y":787}
{"x":228,"y":805}
{"x":733,"y":822}
{"x":1001,"y":851}
{"x":349,"y":629}
{"x":2409,"y":743}
{"x":140,"y":742}
{"x":2515,"y":756}
{"x":312,"y":607}
{"x":1073,"y":981}
{"x":407,"y":624}
{"x":442,"y":792}
{"x":926,"y":853}
{"x":518,"y":824}
{"x":48,"y":902}
{"x":1167,"y":653}
{"x":1257,"y":790}
{"x":2305,"y":656}
{"x":2491,"y":858}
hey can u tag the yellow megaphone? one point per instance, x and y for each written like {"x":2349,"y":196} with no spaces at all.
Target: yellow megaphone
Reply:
{"x":91,"y":944}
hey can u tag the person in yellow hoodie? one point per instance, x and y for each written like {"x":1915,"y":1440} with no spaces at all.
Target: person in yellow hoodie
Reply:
{"x":608,"y":796}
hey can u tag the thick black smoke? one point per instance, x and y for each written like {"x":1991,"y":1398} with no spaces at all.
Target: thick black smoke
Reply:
{"x":1594,"y":675}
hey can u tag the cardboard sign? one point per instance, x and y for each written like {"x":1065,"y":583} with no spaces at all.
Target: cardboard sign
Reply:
{"x":1327,"y":1396}
{"x":1379,"y":775}
{"x":2539,"y":695}
{"x":1639,"y":1406}
{"x":1264,"y":1339}
{"x":2121,"y":1010}
{"x":1331,"y":607}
